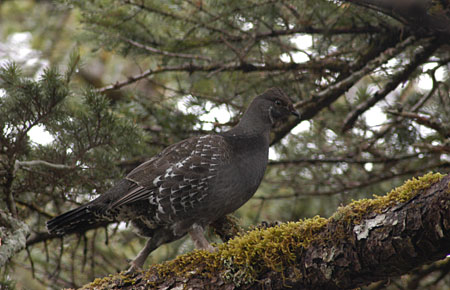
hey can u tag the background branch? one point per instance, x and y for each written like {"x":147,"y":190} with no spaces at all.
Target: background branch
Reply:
{"x":419,"y":57}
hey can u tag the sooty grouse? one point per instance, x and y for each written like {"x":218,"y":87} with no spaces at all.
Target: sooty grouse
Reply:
{"x":189,"y":184}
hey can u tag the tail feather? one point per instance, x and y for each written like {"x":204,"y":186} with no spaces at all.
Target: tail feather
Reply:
{"x":90,"y":215}
{"x":77,"y":220}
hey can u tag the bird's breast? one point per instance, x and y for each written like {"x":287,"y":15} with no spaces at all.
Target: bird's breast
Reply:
{"x":237,"y":182}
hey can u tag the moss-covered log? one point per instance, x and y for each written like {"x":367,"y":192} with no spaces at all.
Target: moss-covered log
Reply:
{"x":365,"y":241}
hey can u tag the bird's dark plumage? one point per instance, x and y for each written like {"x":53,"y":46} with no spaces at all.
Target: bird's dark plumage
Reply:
{"x":189,"y":184}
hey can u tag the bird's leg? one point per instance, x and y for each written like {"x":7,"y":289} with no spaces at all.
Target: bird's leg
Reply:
{"x":138,"y":262}
{"x":199,"y":239}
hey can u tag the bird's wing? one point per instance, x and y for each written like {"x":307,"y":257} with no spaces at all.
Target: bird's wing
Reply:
{"x":178,"y":177}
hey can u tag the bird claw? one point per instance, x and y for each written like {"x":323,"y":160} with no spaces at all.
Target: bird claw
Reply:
{"x":210,"y":249}
{"x":132,"y":270}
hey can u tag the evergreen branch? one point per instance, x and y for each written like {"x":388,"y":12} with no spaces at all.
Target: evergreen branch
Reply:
{"x":163,"y":52}
{"x":419,"y":57}
{"x":132,"y":79}
{"x":341,"y":160}
{"x":244,"y":35}
{"x":322,"y":30}
{"x":331,"y":93}
{"x":414,"y":280}
{"x":34,"y":208}
{"x":223,"y":17}
{"x":48,"y":278}
{"x":440,"y":149}
{"x":321,"y":64}
{"x":385,"y":129}
{"x":359,"y":184}
{"x":272,"y":33}
{"x":420,"y":15}
{"x":426,"y":121}
{"x":42,"y":163}
{"x":177,"y":17}
{"x":324,"y":98}
{"x":39,"y":237}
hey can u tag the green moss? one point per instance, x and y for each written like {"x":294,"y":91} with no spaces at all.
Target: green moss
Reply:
{"x":355,"y":210}
{"x":111,"y":281}
{"x":244,"y":257}
{"x":98,"y":282}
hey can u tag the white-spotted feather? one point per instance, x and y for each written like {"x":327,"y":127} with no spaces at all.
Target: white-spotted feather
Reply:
{"x":178,"y":178}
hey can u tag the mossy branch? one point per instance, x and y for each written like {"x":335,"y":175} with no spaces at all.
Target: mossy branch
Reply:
{"x":365,"y":241}
{"x":13,"y":234}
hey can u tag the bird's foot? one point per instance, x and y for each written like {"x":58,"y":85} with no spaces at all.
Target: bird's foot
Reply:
{"x":199,"y":239}
{"x":210,"y":248}
{"x":133,"y":269}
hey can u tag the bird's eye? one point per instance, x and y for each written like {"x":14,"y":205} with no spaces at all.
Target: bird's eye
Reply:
{"x":278,"y":102}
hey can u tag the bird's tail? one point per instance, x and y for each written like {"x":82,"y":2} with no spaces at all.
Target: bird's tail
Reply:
{"x":77,"y":220}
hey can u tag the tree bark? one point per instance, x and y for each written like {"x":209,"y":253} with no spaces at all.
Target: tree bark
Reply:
{"x":363,"y":242}
{"x":13,"y":234}
{"x":423,"y":16}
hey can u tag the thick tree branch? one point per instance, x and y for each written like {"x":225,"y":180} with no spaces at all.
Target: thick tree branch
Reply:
{"x":13,"y":234}
{"x":424,"y":16}
{"x":365,"y":241}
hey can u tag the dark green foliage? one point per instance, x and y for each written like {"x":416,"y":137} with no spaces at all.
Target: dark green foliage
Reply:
{"x":87,"y":135}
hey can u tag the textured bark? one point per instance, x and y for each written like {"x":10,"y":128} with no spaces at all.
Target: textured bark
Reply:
{"x":13,"y":234}
{"x":344,"y":254}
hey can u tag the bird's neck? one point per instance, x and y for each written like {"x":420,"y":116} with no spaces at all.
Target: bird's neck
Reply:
{"x":253,"y":122}
{"x":248,"y":127}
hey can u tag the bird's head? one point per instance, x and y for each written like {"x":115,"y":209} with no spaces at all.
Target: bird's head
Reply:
{"x":275,"y":105}
{"x":265,"y":112}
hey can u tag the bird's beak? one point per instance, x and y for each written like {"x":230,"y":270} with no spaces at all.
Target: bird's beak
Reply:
{"x":294,"y":112}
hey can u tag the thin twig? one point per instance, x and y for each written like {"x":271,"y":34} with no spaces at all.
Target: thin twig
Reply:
{"x":332,"y":65}
{"x":357,"y":185}
{"x":370,"y":66}
{"x":425,"y":121}
{"x":341,"y":160}
{"x":163,"y":52}
{"x":385,"y":129}
{"x":33,"y":273}
{"x":420,"y":56}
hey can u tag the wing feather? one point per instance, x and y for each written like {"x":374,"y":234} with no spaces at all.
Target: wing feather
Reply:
{"x":178,"y":178}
